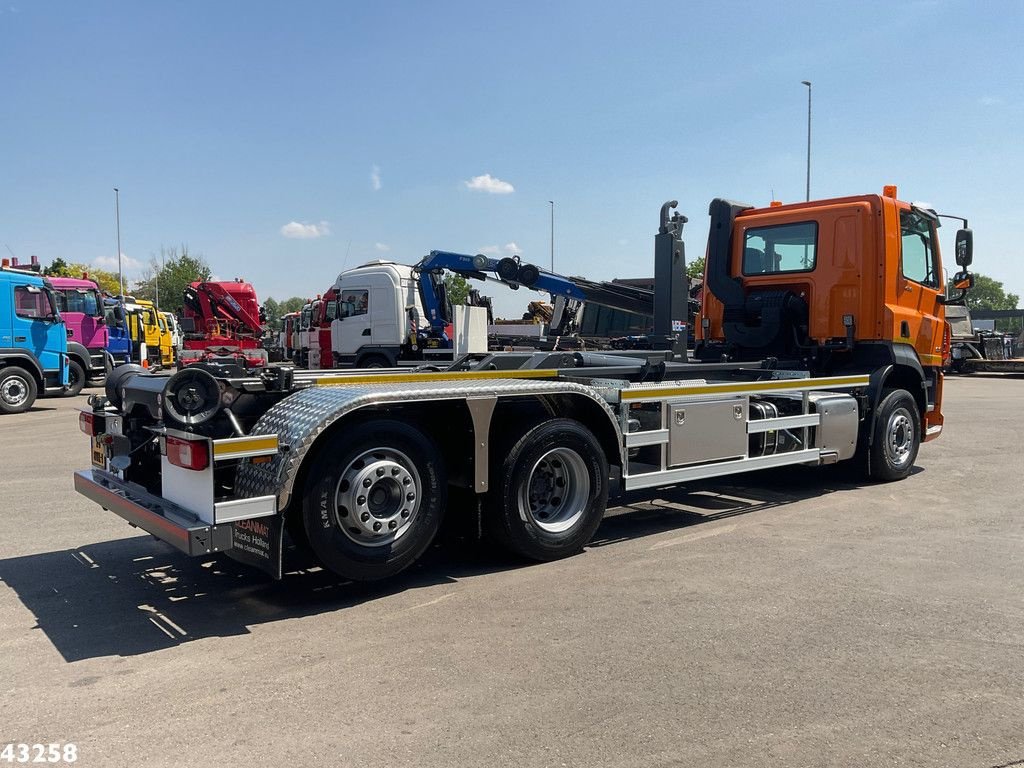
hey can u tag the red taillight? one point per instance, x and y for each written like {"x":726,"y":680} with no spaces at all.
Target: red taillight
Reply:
{"x":188,"y":454}
{"x":87,"y":423}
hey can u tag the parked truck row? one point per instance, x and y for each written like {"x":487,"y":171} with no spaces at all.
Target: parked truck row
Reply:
{"x":819,"y":340}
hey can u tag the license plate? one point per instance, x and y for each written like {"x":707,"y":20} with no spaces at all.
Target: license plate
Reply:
{"x":99,"y":454}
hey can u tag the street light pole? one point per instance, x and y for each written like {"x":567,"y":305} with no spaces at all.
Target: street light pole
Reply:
{"x":808,"y":84}
{"x":117,"y":209}
{"x":552,"y":235}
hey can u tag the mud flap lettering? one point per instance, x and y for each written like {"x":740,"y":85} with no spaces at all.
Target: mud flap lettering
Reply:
{"x":257,"y":543}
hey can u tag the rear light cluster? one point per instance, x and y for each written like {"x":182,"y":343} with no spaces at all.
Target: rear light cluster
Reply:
{"x":188,"y":454}
{"x":90,"y":424}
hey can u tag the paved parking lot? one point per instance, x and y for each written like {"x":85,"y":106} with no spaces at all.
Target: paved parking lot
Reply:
{"x":786,"y":618}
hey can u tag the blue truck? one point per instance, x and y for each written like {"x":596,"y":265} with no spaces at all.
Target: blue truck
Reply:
{"x":119,"y":340}
{"x":33,"y":340}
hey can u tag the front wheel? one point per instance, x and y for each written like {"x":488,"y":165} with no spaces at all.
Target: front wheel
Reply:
{"x":897,"y":436}
{"x":17,"y":390}
{"x":374,"y":500}
{"x":550,"y":491}
{"x":76,"y":379}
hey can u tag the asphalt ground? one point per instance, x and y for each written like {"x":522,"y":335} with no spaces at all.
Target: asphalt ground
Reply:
{"x":788,"y":618}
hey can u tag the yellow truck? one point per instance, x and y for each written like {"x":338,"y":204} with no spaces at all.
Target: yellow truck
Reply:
{"x":148,"y":326}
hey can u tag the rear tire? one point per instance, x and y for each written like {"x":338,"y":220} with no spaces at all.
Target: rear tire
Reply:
{"x":18,"y":390}
{"x":374,"y":499}
{"x":76,"y":379}
{"x":550,"y":491}
{"x":897,"y":437}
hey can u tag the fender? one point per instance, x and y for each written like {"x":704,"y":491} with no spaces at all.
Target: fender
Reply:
{"x":77,"y":350}
{"x":15,"y":356}
{"x":904,"y":359}
{"x":300,"y":419}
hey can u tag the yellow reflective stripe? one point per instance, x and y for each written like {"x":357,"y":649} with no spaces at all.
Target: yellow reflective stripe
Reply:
{"x":236,"y":445}
{"x":405,"y":378}
{"x":791,"y":385}
{"x":931,"y":359}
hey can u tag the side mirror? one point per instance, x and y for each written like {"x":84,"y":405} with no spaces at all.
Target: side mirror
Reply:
{"x":119,"y":314}
{"x":962,"y":282}
{"x":964,"y":247}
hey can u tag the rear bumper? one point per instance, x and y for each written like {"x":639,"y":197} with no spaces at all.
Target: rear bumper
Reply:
{"x":165,"y":520}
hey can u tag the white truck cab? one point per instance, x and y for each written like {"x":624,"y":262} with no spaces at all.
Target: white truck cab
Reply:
{"x":377,"y":304}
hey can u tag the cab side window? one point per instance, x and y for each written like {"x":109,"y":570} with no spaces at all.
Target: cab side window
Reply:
{"x":917,"y":243}
{"x":30,"y":304}
{"x":354,"y":302}
{"x":780,"y":248}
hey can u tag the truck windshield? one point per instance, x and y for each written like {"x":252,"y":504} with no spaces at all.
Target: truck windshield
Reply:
{"x":81,"y":300}
{"x":918,"y":250}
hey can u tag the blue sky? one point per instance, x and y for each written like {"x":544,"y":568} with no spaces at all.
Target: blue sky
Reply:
{"x":361,"y":126}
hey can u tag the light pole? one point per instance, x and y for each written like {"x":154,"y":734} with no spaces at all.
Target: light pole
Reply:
{"x":552,"y":202}
{"x":808,"y":84}
{"x":117,"y":213}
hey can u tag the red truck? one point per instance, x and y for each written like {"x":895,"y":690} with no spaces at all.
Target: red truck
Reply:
{"x":222,"y":323}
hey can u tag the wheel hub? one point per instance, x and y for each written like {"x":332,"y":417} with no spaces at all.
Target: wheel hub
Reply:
{"x":14,"y":392}
{"x":899,"y":437}
{"x":378,"y":497}
{"x":556,"y":492}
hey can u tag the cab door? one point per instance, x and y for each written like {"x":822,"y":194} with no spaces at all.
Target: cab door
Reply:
{"x":353,"y":323}
{"x":917,"y":314}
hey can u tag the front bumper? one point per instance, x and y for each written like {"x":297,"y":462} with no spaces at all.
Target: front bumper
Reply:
{"x":160,"y":517}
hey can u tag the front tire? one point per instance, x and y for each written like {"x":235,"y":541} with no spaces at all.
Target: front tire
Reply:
{"x":550,"y":492}
{"x":897,"y":437}
{"x":76,"y":379}
{"x":18,"y":390}
{"x":374,"y":500}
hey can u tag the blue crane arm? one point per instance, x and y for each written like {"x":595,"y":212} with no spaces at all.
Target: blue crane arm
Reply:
{"x":506,"y":270}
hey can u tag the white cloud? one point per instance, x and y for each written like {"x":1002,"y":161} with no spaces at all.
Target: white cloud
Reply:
{"x":305,"y":231}
{"x":489,"y":184}
{"x":109,"y":263}
{"x":990,"y":101}
{"x":383,"y":247}
{"x":375,"y":181}
{"x":509,"y":249}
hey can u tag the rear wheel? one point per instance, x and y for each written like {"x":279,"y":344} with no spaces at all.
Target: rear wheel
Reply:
{"x":76,"y":378}
{"x":550,"y":491}
{"x":17,"y":390}
{"x":374,"y":500}
{"x":897,"y":436}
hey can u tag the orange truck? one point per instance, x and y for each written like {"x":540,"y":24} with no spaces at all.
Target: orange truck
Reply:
{"x":840,"y":286}
{"x":819,"y":338}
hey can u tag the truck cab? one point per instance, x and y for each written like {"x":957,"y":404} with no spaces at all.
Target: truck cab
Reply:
{"x":33,"y":340}
{"x":379,"y":307}
{"x":148,"y":328}
{"x":81,"y":306}
{"x":846,"y":285}
{"x":119,"y":339}
{"x":175,"y":331}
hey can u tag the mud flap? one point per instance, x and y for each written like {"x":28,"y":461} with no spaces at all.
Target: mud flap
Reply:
{"x":258,"y":542}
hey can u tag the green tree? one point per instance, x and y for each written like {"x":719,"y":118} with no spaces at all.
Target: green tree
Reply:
{"x":988,"y":293}
{"x":457,"y":288}
{"x":294,"y":304}
{"x":107,"y":281}
{"x":695,"y":269}
{"x":272,"y":310}
{"x":178,"y":270}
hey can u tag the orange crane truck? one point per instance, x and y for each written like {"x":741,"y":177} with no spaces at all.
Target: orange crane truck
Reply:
{"x":819,"y":338}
